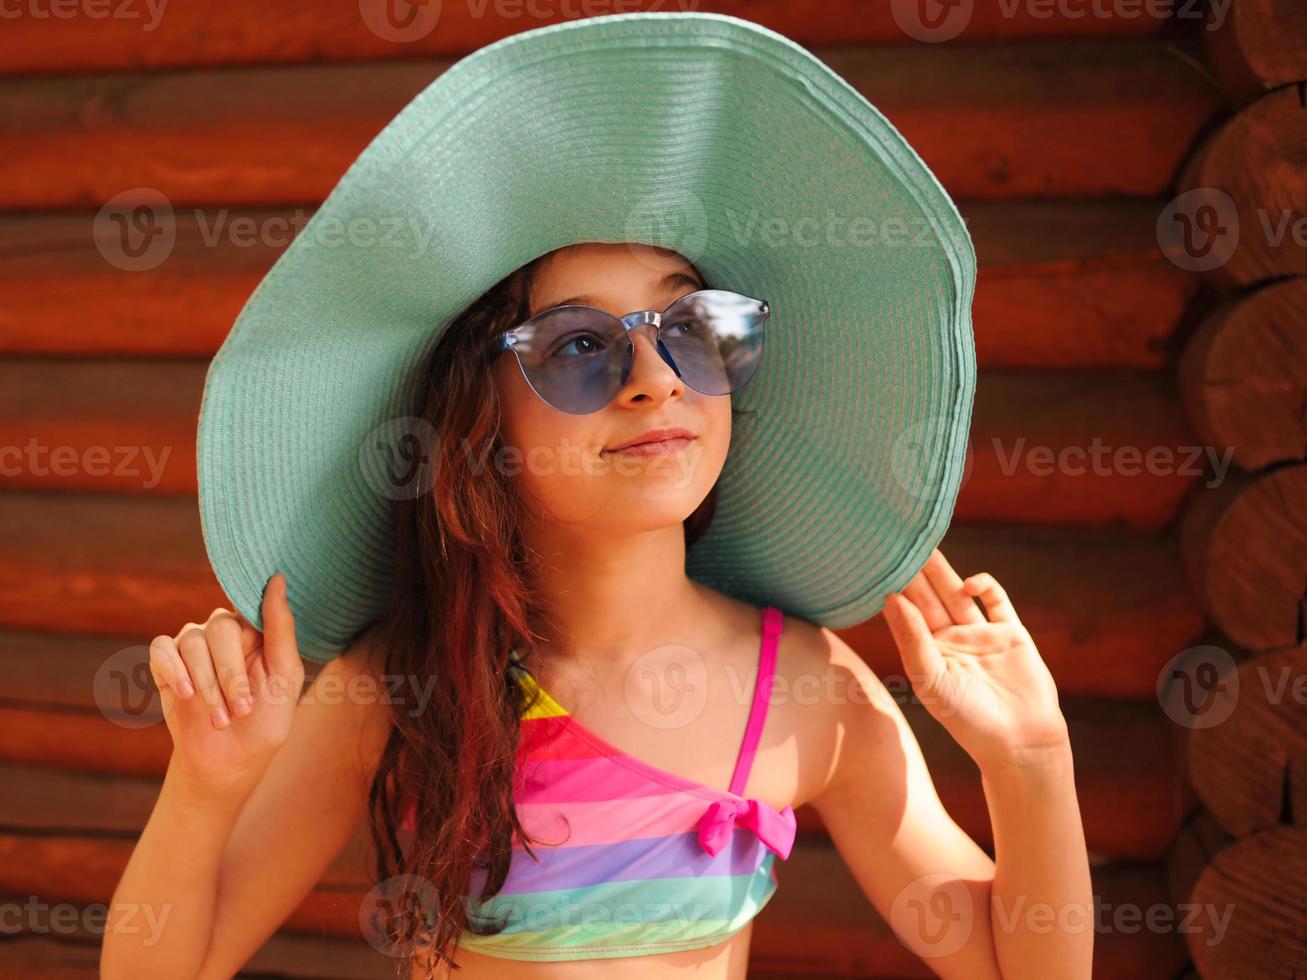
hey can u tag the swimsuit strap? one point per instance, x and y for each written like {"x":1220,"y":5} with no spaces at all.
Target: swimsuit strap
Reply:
{"x":772,"y":620}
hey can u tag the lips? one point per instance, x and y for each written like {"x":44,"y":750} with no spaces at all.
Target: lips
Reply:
{"x":652,"y":437}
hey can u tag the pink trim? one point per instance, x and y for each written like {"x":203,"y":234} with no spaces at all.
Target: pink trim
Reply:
{"x":772,"y":621}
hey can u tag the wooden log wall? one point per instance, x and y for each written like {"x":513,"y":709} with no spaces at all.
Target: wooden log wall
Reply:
{"x":1061,"y":136}
{"x":1242,"y":372}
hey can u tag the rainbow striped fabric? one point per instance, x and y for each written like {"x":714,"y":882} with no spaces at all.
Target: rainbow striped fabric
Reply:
{"x":637,"y":860}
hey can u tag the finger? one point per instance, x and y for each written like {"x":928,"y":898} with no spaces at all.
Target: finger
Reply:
{"x":948,"y":586}
{"x":993,"y":596}
{"x":251,"y":638}
{"x":912,"y":635}
{"x":279,"y":645}
{"x":168,"y":670}
{"x":923,"y":596}
{"x":194,"y":648}
{"x":224,"y":635}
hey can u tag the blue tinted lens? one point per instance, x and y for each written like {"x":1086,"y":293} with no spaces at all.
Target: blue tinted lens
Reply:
{"x":577,"y":359}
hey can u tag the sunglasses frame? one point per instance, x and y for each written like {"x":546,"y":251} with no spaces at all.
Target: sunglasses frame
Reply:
{"x":507,"y":339}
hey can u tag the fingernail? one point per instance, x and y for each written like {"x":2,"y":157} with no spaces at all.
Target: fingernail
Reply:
{"x":243,"y":707}
{"x":220,"y":717}
{"x":186,"y":687}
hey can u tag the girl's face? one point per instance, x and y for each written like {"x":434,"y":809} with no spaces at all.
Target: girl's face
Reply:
{"x":566,"y":464}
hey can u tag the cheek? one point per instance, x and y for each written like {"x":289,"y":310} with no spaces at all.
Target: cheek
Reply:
{"x":545,"y":451}
{"x":717,"y":416}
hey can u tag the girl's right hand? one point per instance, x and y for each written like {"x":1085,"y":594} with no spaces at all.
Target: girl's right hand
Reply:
{"x":229,"y":692}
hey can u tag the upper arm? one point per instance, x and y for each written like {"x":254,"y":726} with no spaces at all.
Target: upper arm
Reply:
{"x":925,"y":876}
{"x":302,"y":813}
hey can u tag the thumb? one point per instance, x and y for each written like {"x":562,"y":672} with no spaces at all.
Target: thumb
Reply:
{"x":279,"y":647}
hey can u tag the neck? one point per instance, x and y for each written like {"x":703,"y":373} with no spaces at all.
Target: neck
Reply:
{"x":613,"y":597}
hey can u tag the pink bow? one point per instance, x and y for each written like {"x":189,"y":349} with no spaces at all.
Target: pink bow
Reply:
{"x":775,"y":829}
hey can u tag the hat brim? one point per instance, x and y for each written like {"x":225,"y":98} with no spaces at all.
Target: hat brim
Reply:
{"x":704,"y":133}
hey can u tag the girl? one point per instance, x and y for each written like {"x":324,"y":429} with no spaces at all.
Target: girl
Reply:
{"x":593,"y":758}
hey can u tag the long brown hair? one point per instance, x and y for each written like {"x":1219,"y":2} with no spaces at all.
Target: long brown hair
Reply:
{"x":463,"y":596}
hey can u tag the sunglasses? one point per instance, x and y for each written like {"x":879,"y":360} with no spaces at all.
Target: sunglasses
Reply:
{"x":577,"y":358}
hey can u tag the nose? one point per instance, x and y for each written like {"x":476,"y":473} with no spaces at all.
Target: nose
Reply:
{"x":650,"y":372}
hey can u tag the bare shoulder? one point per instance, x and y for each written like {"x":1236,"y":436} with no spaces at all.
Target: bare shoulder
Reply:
{"x":823,"y":691}
{"x":348,"y":699}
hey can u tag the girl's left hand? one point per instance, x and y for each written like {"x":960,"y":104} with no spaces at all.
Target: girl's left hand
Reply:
{"x":979,"y":676}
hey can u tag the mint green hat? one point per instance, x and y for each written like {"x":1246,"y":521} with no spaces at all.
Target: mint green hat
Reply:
{"x":703,"y":133}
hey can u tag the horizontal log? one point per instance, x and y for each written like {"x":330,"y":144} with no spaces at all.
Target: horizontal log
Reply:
{"x":1107,"y":609}
{"x":212,"y":32}
{"x":1078,"y":118}
{"x":74,"y":954}
{"x":1112,"y":448}
{"x":1061,"y":283}
{"x":1071,"y":284}
{"x":819,"y":923}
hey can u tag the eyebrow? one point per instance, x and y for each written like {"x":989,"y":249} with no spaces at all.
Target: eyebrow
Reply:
{"x":668,"y":282}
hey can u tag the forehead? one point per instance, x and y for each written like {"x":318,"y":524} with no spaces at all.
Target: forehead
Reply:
{"x":610,"y":276}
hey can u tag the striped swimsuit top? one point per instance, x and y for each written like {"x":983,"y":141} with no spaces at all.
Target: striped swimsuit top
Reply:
{"x":635,"y":860}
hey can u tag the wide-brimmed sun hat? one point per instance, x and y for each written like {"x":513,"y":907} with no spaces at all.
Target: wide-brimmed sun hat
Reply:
{"x":702,"y":133}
